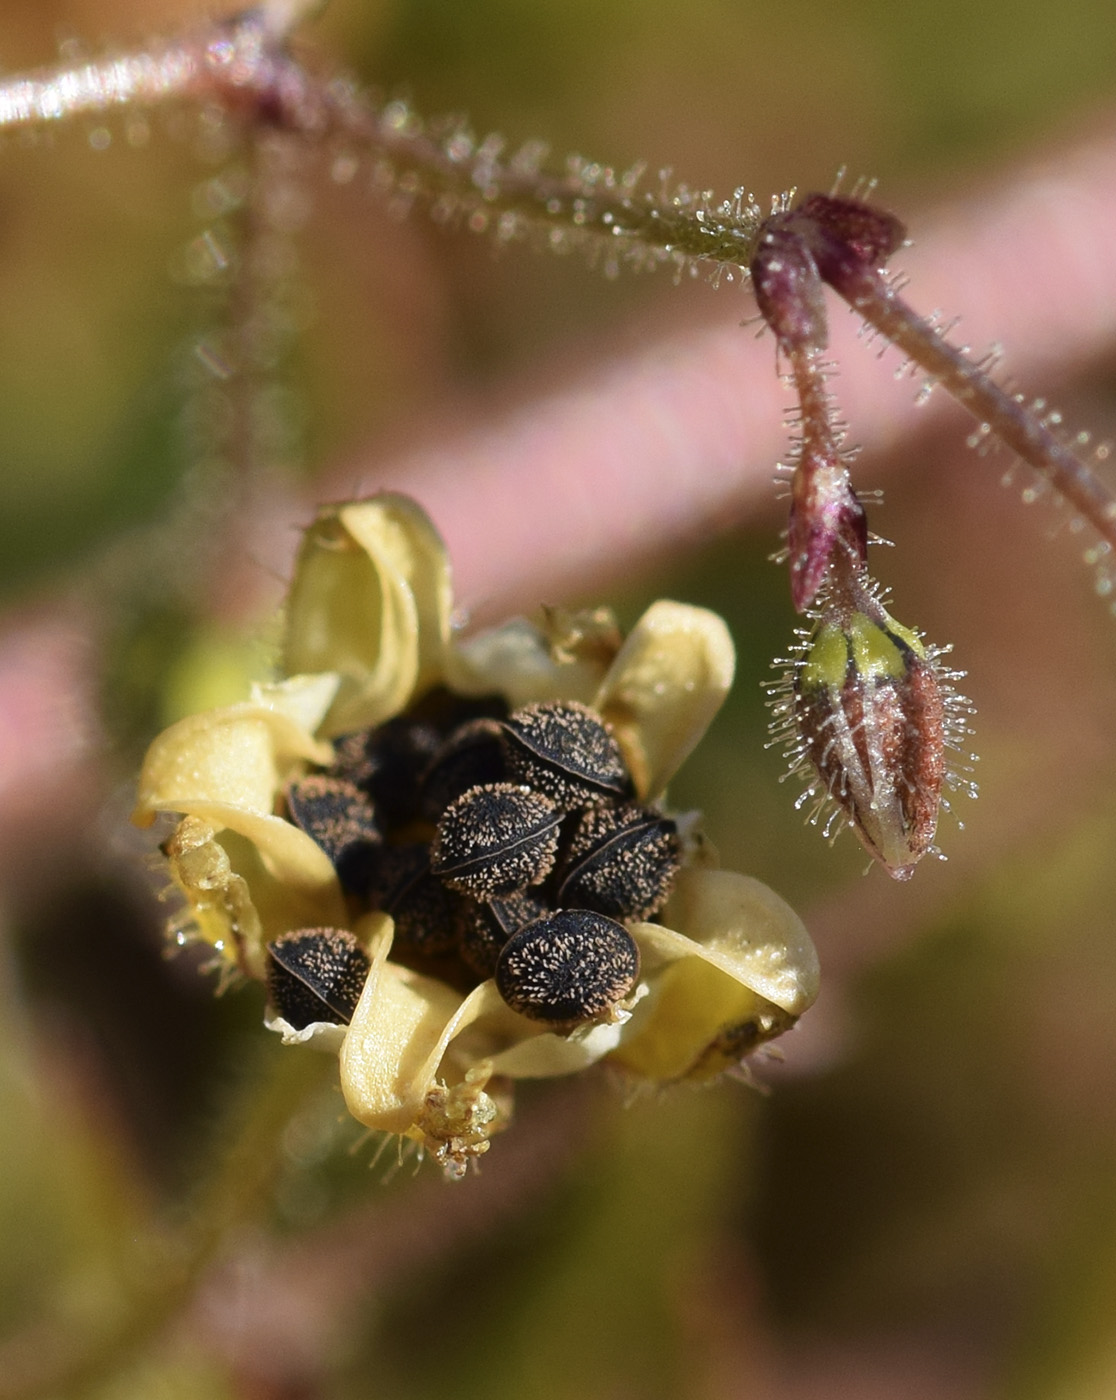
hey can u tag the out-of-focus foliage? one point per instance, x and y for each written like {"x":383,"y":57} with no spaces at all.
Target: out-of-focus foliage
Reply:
{"x":926,"y":1203}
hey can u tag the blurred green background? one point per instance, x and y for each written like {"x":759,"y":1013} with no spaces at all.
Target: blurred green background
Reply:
{"x":925,"y":1205}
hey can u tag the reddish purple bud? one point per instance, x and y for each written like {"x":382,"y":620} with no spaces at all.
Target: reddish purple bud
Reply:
{"x":845,"y":236}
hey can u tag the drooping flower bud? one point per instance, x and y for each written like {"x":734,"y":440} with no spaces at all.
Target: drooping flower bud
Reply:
{"x":871,"y":712}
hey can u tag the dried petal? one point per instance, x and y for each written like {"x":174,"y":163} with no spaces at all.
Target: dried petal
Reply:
{"x":399,"y":1073}
{"x":566,"y":658}
{"x":228,"y":767}
{"x":220,"y":909}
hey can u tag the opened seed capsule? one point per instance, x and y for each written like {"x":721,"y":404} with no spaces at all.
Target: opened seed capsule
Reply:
{"x":387,"y":763}
{"x":336,"y":814}
{"x":492,"y":924}
{"x":570,"y":967}
{"x":316,"y":974}
{"x":471,"y":756}
{"x":621,"y":861}
{"x":563,"y":749}
{"x":496,"y":839}
{"x":428,"y":917}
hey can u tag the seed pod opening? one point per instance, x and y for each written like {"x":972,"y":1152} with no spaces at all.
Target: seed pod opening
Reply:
{"x":571,"y":967}
{"x":316,"y":974}
{"x":429,"y":918}
{"x":492,"y":924}
{"x":620,"y":861}
{"x":388,"y":763}
{"x":336,"y":814}
{"x":473,"y":755}
{"x":496,"y":839}
{"x":564,"y":749}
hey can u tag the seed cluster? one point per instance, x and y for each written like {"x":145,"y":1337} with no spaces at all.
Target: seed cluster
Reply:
{"x":503,"y":845}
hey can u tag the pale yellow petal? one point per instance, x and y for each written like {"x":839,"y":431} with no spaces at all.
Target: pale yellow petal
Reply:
{"x":371,"y":601}
{"x":240,"y":755}
{"x":520,"y":662}
{"x":744,"y":927}
{"x":548,"y":1056}
{"x":227,"y":768}
{"x":295,"y":861}
{"x":696,"y":1023}
{"x":743,"y":972}
{"x":319,"y":1035}
{"x":303,"y":699}
{"x":664,"y":687}
{"x":398,"y":1038}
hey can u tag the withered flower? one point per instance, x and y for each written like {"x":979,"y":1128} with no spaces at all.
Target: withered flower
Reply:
{"x":449,"y":860}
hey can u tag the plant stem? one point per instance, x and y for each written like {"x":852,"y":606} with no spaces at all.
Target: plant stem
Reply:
{"x":1020,"y":427}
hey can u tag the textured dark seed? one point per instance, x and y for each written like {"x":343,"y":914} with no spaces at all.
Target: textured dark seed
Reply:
{"x":492,"y":925}
{"x":620,"y":861}
{"x":316,"y":974}
{"x":447,"y":711}
{"x":428,"y":917}
{"x":341,"y":819}
{"x":388,"y":763}
{"x":571,"y":966}
{"x":496,"y":839}
{"x":472,"y":755}
{"x":563,"y":749}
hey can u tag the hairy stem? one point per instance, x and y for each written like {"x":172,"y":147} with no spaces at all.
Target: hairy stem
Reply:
{"x":244,"y":65}
{"x":1016,"y":424}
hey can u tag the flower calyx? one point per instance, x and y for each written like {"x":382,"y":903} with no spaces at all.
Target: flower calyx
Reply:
{"x":448,"y":858}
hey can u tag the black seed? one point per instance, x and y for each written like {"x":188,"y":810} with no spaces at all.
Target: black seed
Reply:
{"x":492,"y":925}
{"x":428,"y":917}
{"x":473,"y":754}
{"x":350,"y":758}
{"x":341,"y":819}
{"x":447,"y":711}
{"x":316,"y":974}
{"x":563,"y":749}
{"x":571,"y":966}
{"x":620,"y":861}
{"x":387,"y":763}
{"x":496,"y":839}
